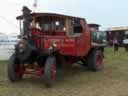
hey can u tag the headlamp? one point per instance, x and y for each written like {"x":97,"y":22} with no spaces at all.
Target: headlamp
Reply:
{"x":21,"y":46}
{"x":53,"y":46}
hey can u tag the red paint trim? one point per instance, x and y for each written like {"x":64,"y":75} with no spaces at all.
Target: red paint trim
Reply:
{"x":99,"y":60}
{"x":19,"y":71}
{"x":37,"y":72}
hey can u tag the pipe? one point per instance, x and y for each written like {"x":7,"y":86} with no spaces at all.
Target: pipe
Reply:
{"x":26,"y":21}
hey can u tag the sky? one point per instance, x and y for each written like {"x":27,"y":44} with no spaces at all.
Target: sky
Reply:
{"x":107,"y":13}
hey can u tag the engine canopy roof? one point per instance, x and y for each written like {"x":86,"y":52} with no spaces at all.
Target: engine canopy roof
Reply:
{"x":53,"y":15}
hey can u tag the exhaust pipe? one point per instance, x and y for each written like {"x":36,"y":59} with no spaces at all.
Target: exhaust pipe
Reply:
{"x":26,"y":21}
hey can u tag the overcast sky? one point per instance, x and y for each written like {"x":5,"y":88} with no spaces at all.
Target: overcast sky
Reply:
{"x":107,"y":13}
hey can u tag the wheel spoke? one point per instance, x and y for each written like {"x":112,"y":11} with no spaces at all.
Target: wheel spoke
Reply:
{"x":50,"y":71}
{"x":99,"y":60}
{"x":53,"y":71}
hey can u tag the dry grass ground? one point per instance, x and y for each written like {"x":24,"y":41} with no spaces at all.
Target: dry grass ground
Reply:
{"x":112,"y":81}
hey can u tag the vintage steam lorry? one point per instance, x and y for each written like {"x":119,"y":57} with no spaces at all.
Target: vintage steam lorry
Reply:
{"x":48,"y":42}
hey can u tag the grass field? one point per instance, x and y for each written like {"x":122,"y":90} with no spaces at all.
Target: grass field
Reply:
{"x":112,"y":81}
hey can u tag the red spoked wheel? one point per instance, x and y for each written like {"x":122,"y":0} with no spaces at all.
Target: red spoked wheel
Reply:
{"x":95,"y":60}
{"x":50,"y":71}
{"x":15,"y":70}
{"x":19,"y":70}
{"x":53,"y":72}
{"x":99,"y":60}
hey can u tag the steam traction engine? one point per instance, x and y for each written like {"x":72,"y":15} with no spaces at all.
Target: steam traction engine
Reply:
{"x":47,"y":41}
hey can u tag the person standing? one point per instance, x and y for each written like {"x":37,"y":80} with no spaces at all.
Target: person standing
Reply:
{"x":116,"y":44}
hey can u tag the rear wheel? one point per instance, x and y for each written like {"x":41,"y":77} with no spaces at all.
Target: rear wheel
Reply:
{"x":50,"y":71}
{"x":15,"y":70}
{"x":95,"y":60}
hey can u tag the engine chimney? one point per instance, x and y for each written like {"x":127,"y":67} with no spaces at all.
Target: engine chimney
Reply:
{"x":26,"y":21}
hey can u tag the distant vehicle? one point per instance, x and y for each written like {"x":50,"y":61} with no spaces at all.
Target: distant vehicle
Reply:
{"x":48,"y":40}
{"x":125,"y":41}
{"x":125,"y":44}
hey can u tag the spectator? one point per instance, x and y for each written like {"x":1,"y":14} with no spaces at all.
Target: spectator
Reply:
{"x":116,"y":44}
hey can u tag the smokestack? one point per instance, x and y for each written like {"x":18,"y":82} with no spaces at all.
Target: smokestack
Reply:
{"x":26,"y":21}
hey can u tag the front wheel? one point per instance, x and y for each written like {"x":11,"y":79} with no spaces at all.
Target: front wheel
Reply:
{"x":95,"y":60}
{"x":50,"y":71}
{"x":15,"y":70}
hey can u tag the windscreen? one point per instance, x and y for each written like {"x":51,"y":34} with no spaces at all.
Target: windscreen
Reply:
{"x":52,"y":26}
{"x":99,"y":37}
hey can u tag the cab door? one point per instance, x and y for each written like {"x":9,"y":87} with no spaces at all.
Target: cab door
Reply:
{"x":84,"y":40}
